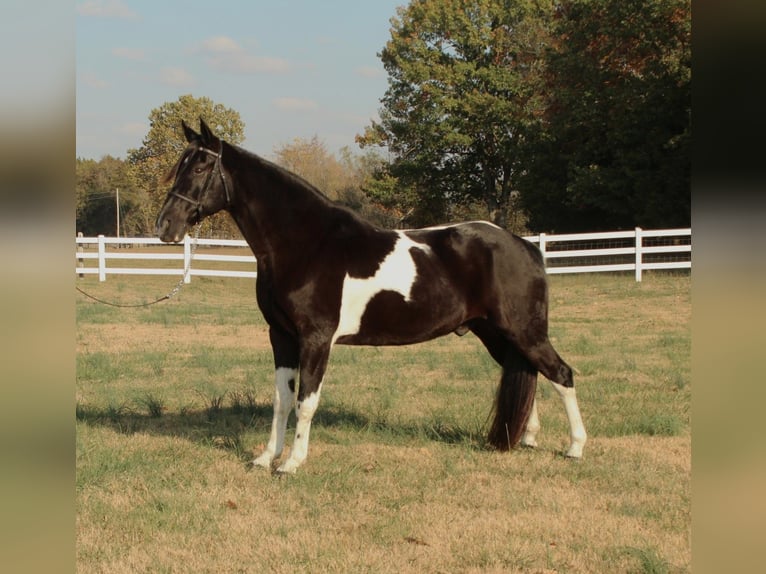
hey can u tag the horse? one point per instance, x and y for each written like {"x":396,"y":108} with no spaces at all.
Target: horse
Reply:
{"x":326,"y":276}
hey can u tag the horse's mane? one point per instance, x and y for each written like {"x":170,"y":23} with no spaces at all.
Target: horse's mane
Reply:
{"x":284,"y":178}
{"x":289,"y":178}
{"x":168,"y":178}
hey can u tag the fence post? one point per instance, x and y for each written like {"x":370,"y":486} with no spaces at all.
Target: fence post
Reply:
{"x":80,"y":251}
{"x":187,"y":259}
{"x":101,"y":258}
{"x":541,"y":245}
{"x":639,"y":253}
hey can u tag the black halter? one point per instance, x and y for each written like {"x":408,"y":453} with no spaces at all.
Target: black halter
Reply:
{"x":217,"y":167}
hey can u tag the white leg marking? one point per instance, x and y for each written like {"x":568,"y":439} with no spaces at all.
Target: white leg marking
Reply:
{"x":397,"y":272}
{"x":577,"y":433}
{"x":533,"y":427}
{"x":304,"y":411}
{"x":283,"y":402}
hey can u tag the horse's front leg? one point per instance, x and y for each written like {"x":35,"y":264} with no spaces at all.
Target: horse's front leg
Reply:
{"x":284,"y":397}
{"x":313,"y":366}
{"x":285,"y":350}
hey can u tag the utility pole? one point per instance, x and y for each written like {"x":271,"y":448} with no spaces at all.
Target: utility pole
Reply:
{"x":117,"y":196}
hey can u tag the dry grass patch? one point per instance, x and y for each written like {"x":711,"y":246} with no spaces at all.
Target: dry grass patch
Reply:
{"x":398,"y":478}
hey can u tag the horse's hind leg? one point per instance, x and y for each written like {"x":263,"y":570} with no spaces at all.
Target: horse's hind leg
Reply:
{"x":503,"y":351}
{"x":550,"y":364}
{"x":577,"y":435}
{"x":533,"y":427}
{"x":546,"y":360}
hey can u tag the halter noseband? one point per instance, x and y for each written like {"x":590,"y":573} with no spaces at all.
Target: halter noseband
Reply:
{"x":198,"y":202}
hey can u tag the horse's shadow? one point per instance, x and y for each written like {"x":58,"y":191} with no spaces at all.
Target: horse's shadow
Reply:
{"x":231,"y":428}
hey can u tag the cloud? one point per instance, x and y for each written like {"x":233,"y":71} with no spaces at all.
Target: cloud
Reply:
{"x":179,"y":77}
{"x":294,"y":104}
{"x":129,"y":53}
{"x":133,"y":129}
{"x":225,"y":54}
{"x":370,"y":72}
{"x":221,"y":45}
{"x":106,"y":9}
{"x":92,"y":81}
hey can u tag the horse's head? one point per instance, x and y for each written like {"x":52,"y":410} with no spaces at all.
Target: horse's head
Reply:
{"x":200,"y":187}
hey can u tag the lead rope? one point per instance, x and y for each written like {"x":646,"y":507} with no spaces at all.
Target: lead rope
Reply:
{"x":170,"y":295}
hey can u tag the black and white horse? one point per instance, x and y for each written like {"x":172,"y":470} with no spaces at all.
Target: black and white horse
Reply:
{"x":327,"y":277}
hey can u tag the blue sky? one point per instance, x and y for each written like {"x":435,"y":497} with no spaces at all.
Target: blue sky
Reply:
{"x":291,"y":68}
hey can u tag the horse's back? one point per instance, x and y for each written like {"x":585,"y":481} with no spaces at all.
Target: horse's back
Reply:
{"x":483,"y":245}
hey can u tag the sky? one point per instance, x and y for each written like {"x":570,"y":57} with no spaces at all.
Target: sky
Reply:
{"x":290,"y":68}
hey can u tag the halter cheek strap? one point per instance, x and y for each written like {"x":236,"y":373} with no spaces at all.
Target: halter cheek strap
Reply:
{"x":217,"y":167}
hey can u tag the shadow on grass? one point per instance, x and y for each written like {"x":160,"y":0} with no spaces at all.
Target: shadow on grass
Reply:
{"x":218,"y":426}
{"x":226,"y":427}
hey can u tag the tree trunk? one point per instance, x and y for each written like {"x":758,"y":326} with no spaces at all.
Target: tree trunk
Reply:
{"x":495,"y":211}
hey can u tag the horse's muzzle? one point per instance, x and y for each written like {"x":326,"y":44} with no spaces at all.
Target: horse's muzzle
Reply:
{"x":168,"y":232}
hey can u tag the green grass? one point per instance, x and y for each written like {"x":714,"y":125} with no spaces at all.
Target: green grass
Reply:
{"x":648,"y":561}
{"x":173,"y":400}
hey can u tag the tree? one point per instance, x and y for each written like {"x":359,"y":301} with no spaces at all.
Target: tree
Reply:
{"x":463,"y":95}
{"x":311,"y":160}
{"x":615,"y":148}
{"x":164,"y":144}
{"x":341,"y":179}
{"x":96,"y":185}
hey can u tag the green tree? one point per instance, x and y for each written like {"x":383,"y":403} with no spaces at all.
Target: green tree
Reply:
{"x":164,"y":144}
{"x":96,"y":185}
{"x":463,"y":95}
{"x":615,"y":148}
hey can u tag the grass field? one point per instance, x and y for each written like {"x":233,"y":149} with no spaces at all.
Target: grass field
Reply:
{"x":174,"y":399}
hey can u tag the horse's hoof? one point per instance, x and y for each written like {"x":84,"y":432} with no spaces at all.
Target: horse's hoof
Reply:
{"x":574,"y":453}
{"x":287,"y":468}
{"x":260,"y":464}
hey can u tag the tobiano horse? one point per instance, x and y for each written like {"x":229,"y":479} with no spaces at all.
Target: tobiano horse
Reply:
{"x":325,"y":276}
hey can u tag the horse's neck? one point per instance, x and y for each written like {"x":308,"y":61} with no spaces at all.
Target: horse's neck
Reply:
{"x":278,"y":217}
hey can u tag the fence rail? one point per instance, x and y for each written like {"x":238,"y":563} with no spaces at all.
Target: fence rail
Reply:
{"x":637,"y":250}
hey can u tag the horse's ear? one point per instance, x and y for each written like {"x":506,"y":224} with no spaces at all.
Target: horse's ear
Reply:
{"x":190,"y":134}
{"x":208,"y":136}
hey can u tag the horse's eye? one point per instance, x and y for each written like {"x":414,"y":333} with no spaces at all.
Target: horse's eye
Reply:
{"x":199,"y":170}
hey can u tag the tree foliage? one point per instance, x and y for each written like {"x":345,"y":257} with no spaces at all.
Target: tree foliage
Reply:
{"x":312,"y":161}
{"x":576,"y":111}
{"x":463,"y":94}
{"x":96,"y":187}
{"x":614,"y":151}
{"x":342,"y":179}
{"x":162,"y":147}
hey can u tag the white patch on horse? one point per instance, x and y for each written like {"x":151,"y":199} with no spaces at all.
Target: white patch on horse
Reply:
{"x":533,"y":427}
{"x":283,"y":404}
{"x":577,"y":432}
{"x":304,"y":413}
{"x":397,"y":272}
{"x":452,"y":225}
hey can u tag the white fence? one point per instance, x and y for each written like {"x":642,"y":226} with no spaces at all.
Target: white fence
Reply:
{"x":638,"y":250}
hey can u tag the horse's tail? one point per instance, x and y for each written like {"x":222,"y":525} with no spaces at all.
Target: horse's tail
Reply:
{"x":513,"y":403}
